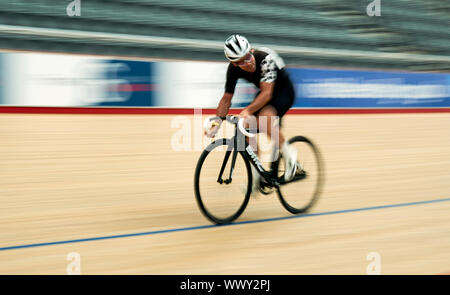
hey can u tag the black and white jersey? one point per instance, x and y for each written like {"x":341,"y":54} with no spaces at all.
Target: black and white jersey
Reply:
{"x":266,"y":71}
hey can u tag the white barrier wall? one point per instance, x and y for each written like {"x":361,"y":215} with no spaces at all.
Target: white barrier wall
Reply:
{"x":46,"y":79}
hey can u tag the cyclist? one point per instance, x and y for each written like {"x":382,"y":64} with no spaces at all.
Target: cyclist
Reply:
{"x":263,"y":68}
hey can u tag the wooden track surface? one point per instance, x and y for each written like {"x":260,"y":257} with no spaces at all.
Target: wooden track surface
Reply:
{"x":66,"y":177}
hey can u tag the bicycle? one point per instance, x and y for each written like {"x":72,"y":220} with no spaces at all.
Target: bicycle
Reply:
{"x":273,"y":179}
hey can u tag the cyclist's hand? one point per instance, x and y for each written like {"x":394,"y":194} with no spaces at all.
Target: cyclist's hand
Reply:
{"x":212,"y":131}
{"x":244,"y":114}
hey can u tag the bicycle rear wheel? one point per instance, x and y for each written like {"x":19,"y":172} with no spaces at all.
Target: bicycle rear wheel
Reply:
{"x":220,"y":202}
{"x":301,"y":193}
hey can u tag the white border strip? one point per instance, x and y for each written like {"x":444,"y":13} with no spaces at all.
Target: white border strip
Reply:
{"x":195,"y":43}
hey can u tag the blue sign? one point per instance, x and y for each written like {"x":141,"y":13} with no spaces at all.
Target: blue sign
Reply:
{"x":317,"y":88}
{"x":130,"y":83}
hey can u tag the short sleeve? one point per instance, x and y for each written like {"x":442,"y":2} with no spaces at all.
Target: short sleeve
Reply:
{"x":268,"y":69}
{"x":231,"y":82}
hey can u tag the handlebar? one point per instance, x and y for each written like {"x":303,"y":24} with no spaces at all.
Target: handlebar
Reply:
{"x":236,"y":120}
{"x":243,"y":130}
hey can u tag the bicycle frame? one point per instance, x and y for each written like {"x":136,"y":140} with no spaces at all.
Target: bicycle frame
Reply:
{"x":239,"y":143}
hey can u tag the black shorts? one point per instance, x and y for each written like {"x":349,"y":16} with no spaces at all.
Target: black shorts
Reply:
{"x":282,"y":98}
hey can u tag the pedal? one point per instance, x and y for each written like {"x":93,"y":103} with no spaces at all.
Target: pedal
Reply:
{"x":299,"y":175}
{"x":265,"y":189}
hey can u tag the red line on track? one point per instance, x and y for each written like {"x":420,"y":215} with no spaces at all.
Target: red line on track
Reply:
{"x":190,"y":111}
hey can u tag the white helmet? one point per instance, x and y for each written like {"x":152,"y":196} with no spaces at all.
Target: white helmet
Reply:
{"x":236,"y":47}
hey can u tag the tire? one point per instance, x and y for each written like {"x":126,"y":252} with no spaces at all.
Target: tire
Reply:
{"x":212,"y":203}
{"x":300,"y":194}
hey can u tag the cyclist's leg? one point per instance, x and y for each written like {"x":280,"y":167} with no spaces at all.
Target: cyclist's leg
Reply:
{"x":282,"y":101}
{"x":270,"y":126}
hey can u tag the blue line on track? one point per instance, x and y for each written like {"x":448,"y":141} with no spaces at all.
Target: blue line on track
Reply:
{"x":215,"y":226}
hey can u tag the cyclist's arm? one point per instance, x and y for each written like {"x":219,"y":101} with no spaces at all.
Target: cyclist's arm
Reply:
{"x":266,"y":84}
{"x":263,"y":98}
{"x":224,"y":104}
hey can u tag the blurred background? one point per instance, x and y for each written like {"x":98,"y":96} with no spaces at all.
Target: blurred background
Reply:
{"x":66,"y":177}
{"x":186,"y":37}
{"x":309,"y":32}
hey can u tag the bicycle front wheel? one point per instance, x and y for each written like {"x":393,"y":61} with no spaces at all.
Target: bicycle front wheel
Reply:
{"x":302,"y":192}
{"x":219,"y":201}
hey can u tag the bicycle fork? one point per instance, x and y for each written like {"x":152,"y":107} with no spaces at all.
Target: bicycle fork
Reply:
{"x":224,"y":164}
{"x":233,"y":150}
